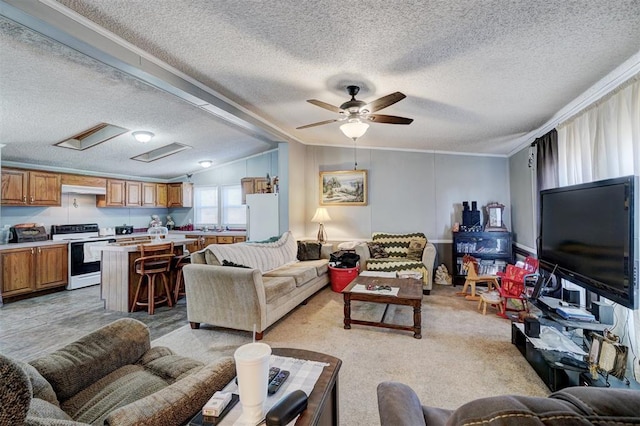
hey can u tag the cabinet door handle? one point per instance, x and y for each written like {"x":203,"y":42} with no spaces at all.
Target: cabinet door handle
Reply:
{"x":32,"y":199}
{"x":24,"y":199}
{"x":32,"y":252}
{"x":39,"y":250}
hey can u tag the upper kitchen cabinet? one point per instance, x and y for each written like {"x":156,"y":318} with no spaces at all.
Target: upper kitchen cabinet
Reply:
{"x":253,"y":185}
{"x":115,"y":196}
{"x":161,"y":195}
{"x":133,"y":194}
{"x":180,"y":194}
{"x":30,"y":188}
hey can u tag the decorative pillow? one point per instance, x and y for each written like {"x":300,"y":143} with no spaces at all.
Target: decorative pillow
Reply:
{"x":416,"y":247}
{"x":235,"y":265}
{"x":377,"y":251}
{"x":308,"y":250}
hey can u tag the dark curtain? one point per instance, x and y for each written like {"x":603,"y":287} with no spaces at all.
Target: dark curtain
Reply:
{"x":547,"y":160}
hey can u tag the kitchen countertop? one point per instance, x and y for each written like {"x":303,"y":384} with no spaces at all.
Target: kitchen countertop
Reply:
{"x":176,"y":239}
{"x":211,"y":233}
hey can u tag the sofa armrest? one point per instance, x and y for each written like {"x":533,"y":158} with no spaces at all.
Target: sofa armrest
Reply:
{"x":225,"y":296}
{"x":429,"y":260}
{"x":398,"y":405}
{"x":178,"y":402}
{"x":362,"y":250}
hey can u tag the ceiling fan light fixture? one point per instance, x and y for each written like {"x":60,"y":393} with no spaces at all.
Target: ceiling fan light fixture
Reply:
{"x":142,"y":136}
{"x":354,"y":129}
{"x":205,"y":163}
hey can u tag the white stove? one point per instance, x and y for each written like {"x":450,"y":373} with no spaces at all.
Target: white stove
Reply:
{"x":84,"y":263}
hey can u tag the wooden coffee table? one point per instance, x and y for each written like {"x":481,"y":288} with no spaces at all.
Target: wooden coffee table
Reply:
{"x":410,"y":294}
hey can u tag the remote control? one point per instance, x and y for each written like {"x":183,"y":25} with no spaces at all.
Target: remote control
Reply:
{"x":275,"y":384}
{"x":273,"y":372}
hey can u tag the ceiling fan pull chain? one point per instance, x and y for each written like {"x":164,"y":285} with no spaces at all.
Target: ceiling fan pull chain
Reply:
{"x":355,"y":155}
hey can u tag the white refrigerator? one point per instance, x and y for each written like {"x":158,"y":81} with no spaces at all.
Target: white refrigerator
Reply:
{"x":262,"y":216}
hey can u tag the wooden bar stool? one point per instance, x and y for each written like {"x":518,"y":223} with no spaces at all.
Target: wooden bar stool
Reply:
{"x":155,"y":260}
{"x":178,"y":264}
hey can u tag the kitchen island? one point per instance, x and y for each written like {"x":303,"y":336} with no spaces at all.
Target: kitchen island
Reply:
{"x":118,"y":275}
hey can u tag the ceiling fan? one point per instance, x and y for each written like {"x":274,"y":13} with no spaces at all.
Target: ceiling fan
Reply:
{"x":359,"y":112}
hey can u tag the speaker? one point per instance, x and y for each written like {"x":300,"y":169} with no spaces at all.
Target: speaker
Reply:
{"x":603,"y":312}
{"x":532,"y":327}
{"x":571,"y":296}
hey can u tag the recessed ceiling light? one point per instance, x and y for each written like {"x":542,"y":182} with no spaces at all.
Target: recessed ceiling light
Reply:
{"x":161,"y":152}
{"x":142,"y":136}
{"x":205,"y":163}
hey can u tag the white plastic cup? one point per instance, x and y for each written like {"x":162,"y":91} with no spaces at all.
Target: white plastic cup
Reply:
{"x":252,"y":367}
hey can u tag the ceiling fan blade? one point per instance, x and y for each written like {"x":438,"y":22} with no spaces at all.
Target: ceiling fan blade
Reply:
{"x":390,"y":119}
{"x":383,"y":102}
{"x":319,"y":123}
{"x":324,"y":105}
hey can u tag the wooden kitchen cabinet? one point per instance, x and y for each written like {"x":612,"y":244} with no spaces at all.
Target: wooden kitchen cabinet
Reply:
{"x":148,"y":194}
{"x":32,"y":269}
{"x":253,"y":185}
{"x":30,"y":188}
{"x":115,"y":196}
{"x":51,"y":268}
{"x":180,"y":194}
{"x":161,"y":195}
{"x":133,"y":195}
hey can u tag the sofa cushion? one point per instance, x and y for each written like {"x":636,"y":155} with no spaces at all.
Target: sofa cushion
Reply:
{"x":377,"y":251}
{"x":416,"y":247}
{"x":396,"y":264}
{"x":309,"y":250}
{"x":276,"y":287}
{"x":15,"y":392}
{"x":396,"y":245}
{"x":321,"y":265}
{"x":301,"y":273}
{"x":43,"y":409}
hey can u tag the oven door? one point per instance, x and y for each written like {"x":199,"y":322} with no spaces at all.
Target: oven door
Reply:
{"x":82,"y":259}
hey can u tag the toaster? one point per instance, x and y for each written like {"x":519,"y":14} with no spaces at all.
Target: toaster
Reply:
{"x":124,"y":229}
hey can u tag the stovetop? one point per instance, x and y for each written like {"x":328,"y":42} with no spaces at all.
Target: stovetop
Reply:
{"x":80,"y":231}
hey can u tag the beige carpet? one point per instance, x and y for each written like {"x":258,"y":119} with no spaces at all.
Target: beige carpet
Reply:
{"x":462,"y":355}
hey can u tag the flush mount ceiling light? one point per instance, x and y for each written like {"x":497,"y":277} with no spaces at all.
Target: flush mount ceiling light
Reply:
{"x":354,"y":128}
{"x":92,"y":137}
{"x":142,"y":136}
{"x":205,"y":163}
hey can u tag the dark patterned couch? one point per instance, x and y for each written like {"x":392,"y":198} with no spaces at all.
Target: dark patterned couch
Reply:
{"x":111,"y":376}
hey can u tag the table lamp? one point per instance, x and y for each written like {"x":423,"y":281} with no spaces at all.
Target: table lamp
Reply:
{"x":320,"y":217}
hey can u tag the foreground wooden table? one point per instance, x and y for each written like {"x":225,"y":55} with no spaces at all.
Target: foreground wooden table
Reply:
{"x":410,"y":294}
{"x":322,"y":403}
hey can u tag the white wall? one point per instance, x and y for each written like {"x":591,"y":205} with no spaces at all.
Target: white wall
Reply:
{"x":407,"y":191}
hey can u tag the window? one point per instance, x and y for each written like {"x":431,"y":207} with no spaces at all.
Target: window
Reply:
{"x":233,"y":211}
{"x":219,"y":206}
{"x":206,"y":205}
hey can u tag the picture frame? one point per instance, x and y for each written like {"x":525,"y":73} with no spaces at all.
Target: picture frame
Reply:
{"x":343,"y":188}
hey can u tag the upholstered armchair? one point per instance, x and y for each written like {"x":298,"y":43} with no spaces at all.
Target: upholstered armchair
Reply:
{"x":111,"y":376}
{"x":399,"y":252}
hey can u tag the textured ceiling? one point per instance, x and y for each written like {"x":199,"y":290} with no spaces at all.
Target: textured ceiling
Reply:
{"x":478,"y":75}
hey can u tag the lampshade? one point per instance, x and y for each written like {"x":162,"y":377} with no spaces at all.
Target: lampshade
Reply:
{"x":205,"y":163}
{"x":354,"y":129}
{"x":142,"y":136}
{"x":321,"y":216}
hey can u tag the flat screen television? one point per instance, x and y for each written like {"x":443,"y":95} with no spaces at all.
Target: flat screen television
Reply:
{"x":590,"y":231}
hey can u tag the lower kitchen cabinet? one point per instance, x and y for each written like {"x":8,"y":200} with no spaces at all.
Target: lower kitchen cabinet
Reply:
{"x":32,"y":269}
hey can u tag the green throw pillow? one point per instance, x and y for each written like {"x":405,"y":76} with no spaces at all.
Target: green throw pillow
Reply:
{"x":416,"y":247}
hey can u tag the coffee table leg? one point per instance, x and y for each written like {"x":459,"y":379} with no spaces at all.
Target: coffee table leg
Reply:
{"x":417,"y":321}
{"x":347,"y":311}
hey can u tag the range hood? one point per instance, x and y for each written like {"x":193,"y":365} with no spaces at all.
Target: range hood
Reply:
{"x":79,"y":189}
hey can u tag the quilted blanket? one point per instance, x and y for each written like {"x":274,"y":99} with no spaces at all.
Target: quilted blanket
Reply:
{"x":262,"y":256}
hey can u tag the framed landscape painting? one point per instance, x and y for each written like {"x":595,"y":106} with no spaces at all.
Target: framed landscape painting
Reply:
{"x":343,"y":188}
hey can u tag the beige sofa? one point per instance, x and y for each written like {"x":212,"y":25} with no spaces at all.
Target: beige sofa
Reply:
{"x":265,"y":284}
{"x":111,"y":376}
{"x":396,"y":247}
